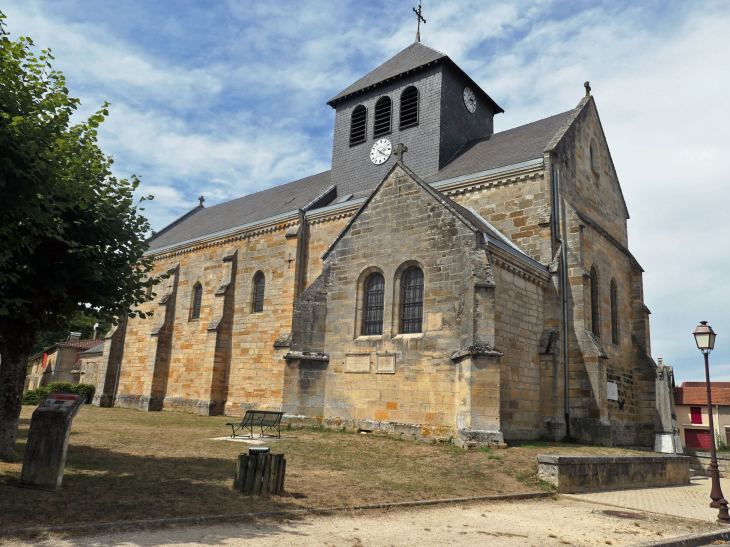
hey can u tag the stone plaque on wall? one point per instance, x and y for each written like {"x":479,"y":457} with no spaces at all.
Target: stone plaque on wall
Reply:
{"x":357,"y":362}
{"x":612,"y":391}
{"x":386,"y":364}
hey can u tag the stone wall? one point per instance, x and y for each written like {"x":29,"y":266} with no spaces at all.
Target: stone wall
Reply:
{"x":699,"y":461}
{"x":573,"y":474}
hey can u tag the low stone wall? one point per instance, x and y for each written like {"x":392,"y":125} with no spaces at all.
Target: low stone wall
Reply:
{"x":699,"y":461}
{"x":572,"y":474}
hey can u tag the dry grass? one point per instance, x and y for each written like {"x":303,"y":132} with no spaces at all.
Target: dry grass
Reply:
{"x":124,"y":464}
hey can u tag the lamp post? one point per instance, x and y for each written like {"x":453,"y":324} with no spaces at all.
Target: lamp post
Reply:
{"x":705,"y":338}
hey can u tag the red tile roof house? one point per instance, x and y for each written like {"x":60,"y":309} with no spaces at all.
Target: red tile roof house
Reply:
{"x":690,"y":401}
{"x":58,"y":363}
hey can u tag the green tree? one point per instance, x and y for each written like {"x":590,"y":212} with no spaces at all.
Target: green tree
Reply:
{"x":72,"y":238}
{"x":80,"y":322}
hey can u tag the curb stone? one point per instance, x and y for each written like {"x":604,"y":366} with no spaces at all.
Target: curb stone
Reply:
{"x":693,"y":540}
{"x":101,"y":526}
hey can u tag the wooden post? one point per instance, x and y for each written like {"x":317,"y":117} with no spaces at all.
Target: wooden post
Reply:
{"x":241,"y":468}
{"x":258,"y":477}
{"x":282,"y":475}
{"x":267,"y":474}
{"x":275,"y":462}
{"x":250,"y":473}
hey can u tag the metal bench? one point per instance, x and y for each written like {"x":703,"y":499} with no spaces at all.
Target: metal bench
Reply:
{"x":262,"y":419}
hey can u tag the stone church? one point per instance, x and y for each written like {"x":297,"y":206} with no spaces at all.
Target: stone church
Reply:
{"x":441,"y":281}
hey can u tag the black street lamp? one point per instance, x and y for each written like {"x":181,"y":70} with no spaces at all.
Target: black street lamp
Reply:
{"x":705,"y":338}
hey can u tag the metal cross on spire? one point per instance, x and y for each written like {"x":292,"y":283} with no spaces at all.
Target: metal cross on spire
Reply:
{"x":420,"y":18}
{"x":201,"y":199}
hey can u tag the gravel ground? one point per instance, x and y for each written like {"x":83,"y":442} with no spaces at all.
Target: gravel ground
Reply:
{"x":538,"y":523}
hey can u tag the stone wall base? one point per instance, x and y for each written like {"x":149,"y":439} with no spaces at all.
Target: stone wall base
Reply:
{"x":571,"y":474}
{"x":699,"y":461}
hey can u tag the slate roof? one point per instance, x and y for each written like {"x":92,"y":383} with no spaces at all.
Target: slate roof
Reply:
{"x":411,"y":58}
{"x":237,"y":212}
{"x":695,"y":393}
{"x":510,"y":147}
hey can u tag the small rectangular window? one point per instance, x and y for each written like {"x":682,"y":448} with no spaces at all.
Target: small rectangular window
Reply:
{"x":696,"y":414}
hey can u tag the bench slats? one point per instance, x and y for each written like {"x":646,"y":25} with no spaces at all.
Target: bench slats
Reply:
{"x":262,"y":419}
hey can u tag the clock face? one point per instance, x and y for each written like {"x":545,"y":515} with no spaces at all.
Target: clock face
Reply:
{"x":470,"y":100}
{"x":380,"y":152}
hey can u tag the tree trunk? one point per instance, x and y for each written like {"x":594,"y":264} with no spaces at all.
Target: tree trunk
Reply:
{"x":13,"y":365}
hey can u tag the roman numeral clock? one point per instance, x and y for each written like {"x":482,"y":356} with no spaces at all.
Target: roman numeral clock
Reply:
{"x":381,"y":151}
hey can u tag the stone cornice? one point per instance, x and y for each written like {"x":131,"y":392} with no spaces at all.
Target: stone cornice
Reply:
{"x":524,"y":270}
{"x":515,"y":176}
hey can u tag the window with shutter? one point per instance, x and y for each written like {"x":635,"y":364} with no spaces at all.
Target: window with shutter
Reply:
{"x":695,"y":413}
{"x":358,"y":125}
{"x":383,"y":111}
{"x":409,"y":107}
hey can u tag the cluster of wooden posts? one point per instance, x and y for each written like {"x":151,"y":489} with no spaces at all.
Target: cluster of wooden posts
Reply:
{"x":260,"y":474}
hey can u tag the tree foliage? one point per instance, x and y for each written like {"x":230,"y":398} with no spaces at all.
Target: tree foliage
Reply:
{"x":72,"y":238}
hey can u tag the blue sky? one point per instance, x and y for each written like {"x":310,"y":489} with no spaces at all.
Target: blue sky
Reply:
{"x":227,"y":98}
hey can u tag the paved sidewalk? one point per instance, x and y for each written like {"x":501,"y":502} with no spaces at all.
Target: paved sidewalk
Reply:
{"x":690,"y":501}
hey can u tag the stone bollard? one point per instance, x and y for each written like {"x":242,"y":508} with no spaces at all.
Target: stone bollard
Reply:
{"x":45,"y":452}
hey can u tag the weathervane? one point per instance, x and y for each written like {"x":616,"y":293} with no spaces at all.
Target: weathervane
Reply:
{"x":420,"y":18}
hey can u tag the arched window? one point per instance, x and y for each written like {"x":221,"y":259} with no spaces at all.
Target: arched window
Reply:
{"x":358,"y":125}
{"x":197,"y":301}
{"x":383,"y":111}
{"x":259,"y":287}
{"x":412,"y":301}
{"x":595,"y":316}
{"x":374,"y":295}
{"x":409,"y":107}
{"x":614,"y":312}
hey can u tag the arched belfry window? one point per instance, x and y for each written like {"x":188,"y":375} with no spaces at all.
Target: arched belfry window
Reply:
{"x":409,"y":107}
{"x":358,"y":125}
{"x":595,"y":315}
{"x":197,"y":301}
{"x":412,"y":301}
{"x":259,"y":287}
{"x":374,"y":296}
{"x":383,"y":114}
{"x":614,"y":312}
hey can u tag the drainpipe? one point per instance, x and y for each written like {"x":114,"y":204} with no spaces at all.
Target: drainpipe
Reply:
{"x":302,"y":242}
{"x":119,"y":361}
{"x":564,"y":293}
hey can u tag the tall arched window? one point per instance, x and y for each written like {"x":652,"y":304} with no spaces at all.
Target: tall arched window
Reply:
{"x":383,"y":111}
{"x":409,"y":107}
{"x":358,"y":125}
{"x":595,"y":316}
{"x":374,"y":296}
{"x":614,"y":312}
{"x":412,"y":301}
{"x":197,"y":301}
{"x":259,"y":287}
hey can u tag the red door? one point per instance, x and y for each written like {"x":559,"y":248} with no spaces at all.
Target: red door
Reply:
{"x":697,"y":438}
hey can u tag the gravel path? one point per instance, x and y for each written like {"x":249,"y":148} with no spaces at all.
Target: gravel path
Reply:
{"x":538,"y":523}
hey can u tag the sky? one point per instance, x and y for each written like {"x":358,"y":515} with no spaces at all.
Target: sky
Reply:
{"x":226,"y":98}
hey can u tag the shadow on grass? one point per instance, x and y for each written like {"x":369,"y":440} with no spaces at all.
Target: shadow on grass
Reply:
{"x":106,"y":486}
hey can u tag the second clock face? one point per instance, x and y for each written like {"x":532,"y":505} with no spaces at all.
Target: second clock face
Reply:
{"x":380,"y":152}
{"x":470,"y":100}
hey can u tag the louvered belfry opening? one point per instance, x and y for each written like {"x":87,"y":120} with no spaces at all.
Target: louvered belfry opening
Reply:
{"x":358,"y":125}
{"x":374,"y":296}
{"x":614,"y":312}
{"x":412,"y":306}
{"x":259,"y":287}
{"x":197,"y":301}
{"x":595,"y":316}
{"x":383,"y":114}
{"x":409,"y":107}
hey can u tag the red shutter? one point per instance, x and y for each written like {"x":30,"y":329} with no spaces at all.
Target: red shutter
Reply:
{"x":45,"y":359}
{"x":697,"y":438}
{"x":696,"y":414}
